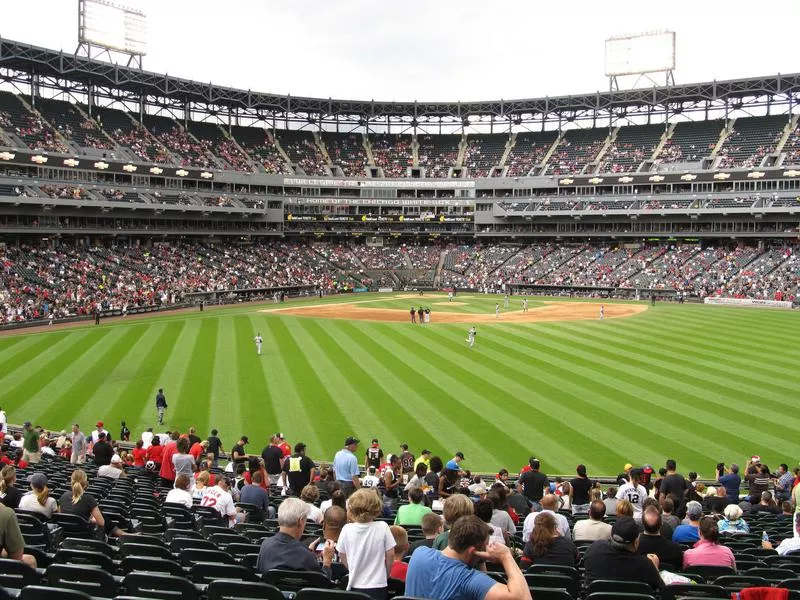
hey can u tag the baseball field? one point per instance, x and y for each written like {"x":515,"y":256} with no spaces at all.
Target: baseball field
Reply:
{"x":701,"y":384}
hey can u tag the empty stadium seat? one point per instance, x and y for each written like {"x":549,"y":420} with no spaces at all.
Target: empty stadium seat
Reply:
{"x":239,"y":590}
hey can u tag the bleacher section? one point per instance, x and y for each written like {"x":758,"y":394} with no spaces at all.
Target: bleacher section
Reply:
{"x":30,"y":128}
{"x":64,"y":116}
{"x":483,"y":152}
{"x":392,"y":153}
{"x":691,"y":141}
{"x":131,"y":135}
{"x":302,"y":150}
{"x":438,"y":153}
{"x":260,"y":148}
{"x":215,"y":141}
{"x":347,"y":151}
{"x":751,"y":140}
{"x":634,"y":144}
{"x":577,"y":148}
{"x":528,"y":151}
{"x":190,"y":152}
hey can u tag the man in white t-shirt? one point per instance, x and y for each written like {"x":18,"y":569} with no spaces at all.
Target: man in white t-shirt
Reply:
{"x":3,"y":422}
{"x":549,"y":504}
{"x":219,"y":498}
{"x":633,"y":492}
{"x":147,"y":438}
{"x":370,"y":480}
{"x":113,"y":470}
{"x":96,"y":433}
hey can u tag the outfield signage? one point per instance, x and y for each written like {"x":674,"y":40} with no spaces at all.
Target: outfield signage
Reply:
{"x":447,"y":184}
{"x":748,"y":302}
{"x":378,"y":218}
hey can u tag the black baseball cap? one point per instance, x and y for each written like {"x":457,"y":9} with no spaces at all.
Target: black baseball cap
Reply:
{"x":625,"y":531}
{"x":426,"y":451}
{"x":460,"y":455}
{"x":404,"y":446}
{"x":244,"y":439}
{"x":350,"y":440}
{"x":374,"y":440}
{"x":299,"y":447}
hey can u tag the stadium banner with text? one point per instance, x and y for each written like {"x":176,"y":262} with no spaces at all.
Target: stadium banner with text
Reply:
{"x":384,"y":290}
{"x":748,"y":302}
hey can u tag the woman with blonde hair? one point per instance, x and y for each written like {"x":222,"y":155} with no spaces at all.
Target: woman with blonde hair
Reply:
{"x":77,"y":502}
{"x":310,"y":494}
{"x":624,"y":509}
{"x":366,"y":546}
{"x":9,"y":494}
{"x":455,"y":507}
{"x":201,"y":482}
{"x":38,"y":499}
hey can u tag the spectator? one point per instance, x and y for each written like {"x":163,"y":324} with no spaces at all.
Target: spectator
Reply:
{"x":11,"y":542}
{"x":767,"y":505}
{"x":732,"y":521}
{"x":449,"y":574}
{"x":546,"y":546}
{"x":201,"y":483}
{"x":366,"y":546}
{"x":78,"y":454}
{"x":32,"y":453}
{"x":399,"y":567}
{"x":633,"y":492}
{"x":716,"y":504}
{"x":708,"y":551}
{"x":167,"y":471}
{"x":579,"y":491}
{"x":783,"y":483}
{"x":549,"y":504}
{"x":180,"y":494}
{"x":273,"y":459}
{"x":298,"y":470}
{"x":332,"y":522}
{"x":412,"y":513}
{"x":255,"y":494}
{"x":219,"y":498}
{"x":532,"y":484}
{"x":238,"y":454}
{"x":500,"y":512}
{"x":611,"y":501}
{"x":454,"y":508}
{"x":731,"y":481}
{"x":310,"y":495}
{"x":483,"y":510}
{"x":215,"y":446}
{"x":594,"y":528}
{"x":617,"y":558}
{"x":651,"y":541}
{"x":284,"y":550}
{"x":759,"y":482}
{"x":139,"y":454}
{"x":667,"y":516}
{"x":38,"y":499}
{"x":113,"y":470}
{"x":688,"y":533}
{"x":102,"y":451}
{"x":78,"y":502}
{"x":9,"y":493}
{"x":345,"y":466}
{"x":432,"y":526}
{"x":155,"y":454}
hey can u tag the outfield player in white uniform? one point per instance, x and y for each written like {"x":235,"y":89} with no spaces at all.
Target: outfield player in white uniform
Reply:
{"x":505,"y":301}
{"x":471,"y":333}
{"x":524,"y":305}
{"x":259,"y":341}
{"x":497,"y":310}
{"x":602,"y":312}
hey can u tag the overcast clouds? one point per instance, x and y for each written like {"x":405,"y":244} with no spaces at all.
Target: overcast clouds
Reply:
{"x":429,"y":50}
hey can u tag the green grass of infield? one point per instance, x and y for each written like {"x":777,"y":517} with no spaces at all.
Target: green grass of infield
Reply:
{"x":700,"y":384}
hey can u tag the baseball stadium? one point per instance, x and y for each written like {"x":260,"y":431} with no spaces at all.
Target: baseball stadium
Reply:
{"x":605,"y":279}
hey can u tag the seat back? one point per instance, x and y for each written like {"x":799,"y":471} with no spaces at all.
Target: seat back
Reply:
{"x":146,"y":550}
{"x":88,"y":558}
{"x":131,"y":564}
{"x":700,"y":590}
{"x":548,"y":580}
{"x":206,"y":572}
{"x":89,"y":545}
{"x":612,"y":585}
{"x":242,"y":590}
{"x":15,"y":574}
{"x":74,"y":526}
{"x":190,"y":556}
{"x":288,"y":580}
{"x":93,"y":581}
{"x":42,"y":592}
{"x":159,"y":586}
{"x":326,"y":594}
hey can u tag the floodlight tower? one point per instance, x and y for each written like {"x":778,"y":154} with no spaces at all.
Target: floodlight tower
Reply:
{"x":106,"y":29}
{"x":641,"y":55}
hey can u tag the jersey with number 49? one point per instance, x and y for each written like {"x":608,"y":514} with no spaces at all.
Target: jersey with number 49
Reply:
{"x":635,"y":494}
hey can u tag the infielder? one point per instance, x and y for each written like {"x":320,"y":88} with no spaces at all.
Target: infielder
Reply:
{"x":505,"y":301}
{"x":497,"y":310}
{"x":525,"y":305}
{"x":259,"y":341}
{"x":471,"y":333}
{"x":602,"y":312}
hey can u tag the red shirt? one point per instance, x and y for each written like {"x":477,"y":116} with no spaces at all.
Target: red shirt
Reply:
{"x":265,"y":478}
{"x":284,"y":446}
{"x":167,"y":468}
{"x":155,"y":453}
{"x":399,"y":570}
{"x":196,"y":450}
{"x":139,"y":456}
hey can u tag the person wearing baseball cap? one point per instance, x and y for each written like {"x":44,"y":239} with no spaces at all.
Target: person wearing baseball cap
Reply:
{"x":453,"y":463}
{"x":96,"y":433}
{"x":617,"y":558}
{"x":373,"y":456}
{"x":286,"y":450}
{"x":38,"y":499}
{"x":345,"y":466}
{"x":113,"y":470}
{"x":424,"y":458}
{"x":298,"y":470}
{"x":238,"y":454}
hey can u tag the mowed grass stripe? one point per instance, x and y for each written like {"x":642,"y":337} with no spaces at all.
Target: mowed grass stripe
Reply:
{"x":78,"y":395}
{"x":14,"y":374}
{"x":52,"y":373}
{"x":555,"y":405}
{"x":257,"y":402}
{"x":141,"y":387}
{"x":642,"y":333}
{"x":609,"y":399}
{"x":226,"y":385}
{"x":176,"y":366}
{"x":291,"y":412}
{"x":190,"y":405}
{"x":377,"y":399}
{"x":17,"y":355}
{"x":708,"y":378}
{"x":686,"y":400}
{"x":434,"y":383}
{"x":326,"y":417}
{"x":100,"y":404}
{"x":389,"y":373}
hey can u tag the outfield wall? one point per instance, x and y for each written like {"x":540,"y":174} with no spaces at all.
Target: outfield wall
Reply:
{"x":748,"y":302}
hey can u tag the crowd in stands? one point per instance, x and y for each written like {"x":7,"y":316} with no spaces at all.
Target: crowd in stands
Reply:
{"x":229,"y":151}
{"x":192,"y":152}
{"x":38,"y":282}
{"x":142,"y":144}
{"x":380,"y":520}
{"x":392,"y":153}
{"x":43,"y":136}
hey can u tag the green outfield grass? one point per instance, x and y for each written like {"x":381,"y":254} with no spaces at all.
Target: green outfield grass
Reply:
{"x":697,"y":383}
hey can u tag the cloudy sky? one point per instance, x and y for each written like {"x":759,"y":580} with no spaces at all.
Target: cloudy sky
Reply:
{"x":429,"y":50}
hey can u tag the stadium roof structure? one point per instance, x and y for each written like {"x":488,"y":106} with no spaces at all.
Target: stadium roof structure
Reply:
{"x":24,"y":64}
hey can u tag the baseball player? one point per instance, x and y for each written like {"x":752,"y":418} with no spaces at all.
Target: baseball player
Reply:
{"x":525,"y":305}
{"x":505,"y":301}
{"x":497,"y":310}
{"x":259,"y":341}
{"x":471,"y":333}
{"x":602,"y":312}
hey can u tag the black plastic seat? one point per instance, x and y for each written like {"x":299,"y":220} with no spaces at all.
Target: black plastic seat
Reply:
{"x":678,"y":590}
{"x":15,"y":574}
{"x":181,"y":543}
{"x":324,"y":594}
{"x":74,"y":526}
{"x":541,"y":593}
{"x":206,"y":572}
{"x":159,"y":586}
{"x":239,"y":590}
{"x":131,"y":564}
{"x":42,"y":592}
{"x":190,"y":556}
{"x":557,"y":581}
{"x":146,"y":550}
{"x":93,"y":581}
{"x":88,"y":558}
{"x":735,"y":583}
{"x":293,"y":581}
{"x":613,"y":585}
{"x":90,"y":546}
